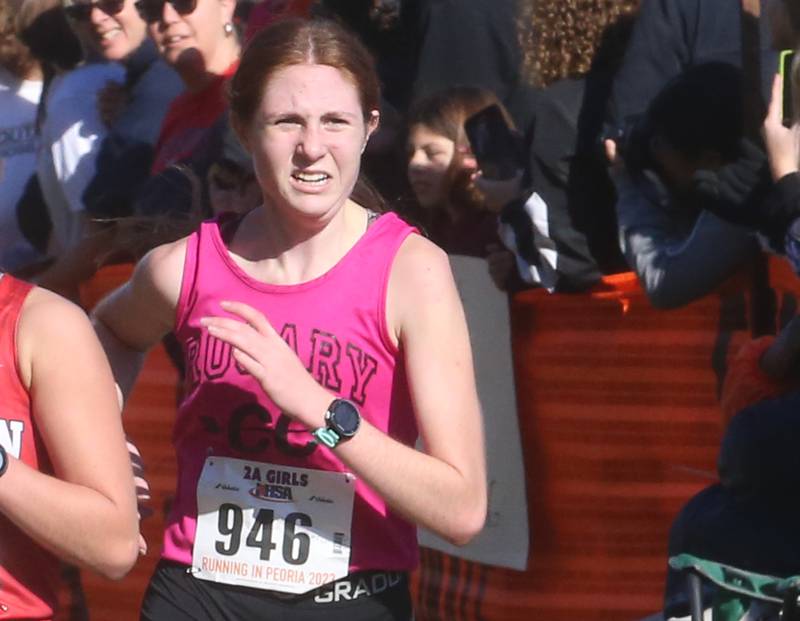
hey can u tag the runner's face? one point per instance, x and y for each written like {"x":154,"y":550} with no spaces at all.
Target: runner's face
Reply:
{"x":307,"y":138}
{"x":430,"y":156}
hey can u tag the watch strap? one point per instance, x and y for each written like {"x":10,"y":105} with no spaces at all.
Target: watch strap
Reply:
{"x":327,"y":436}
{"x":3,"y":461}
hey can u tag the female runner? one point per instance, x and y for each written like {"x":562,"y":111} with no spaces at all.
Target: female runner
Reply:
{"x":66,"y":486}
{"x":321,"y":338}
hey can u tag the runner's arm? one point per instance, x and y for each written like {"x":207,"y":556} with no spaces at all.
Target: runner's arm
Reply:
{"x":134,"y":317}
{"x":442,"y":489}
{"x":86,"y":512}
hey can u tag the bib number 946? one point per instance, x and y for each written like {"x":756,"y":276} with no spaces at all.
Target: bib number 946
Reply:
{"x":270,"y":526}
{"x":294,"y":547}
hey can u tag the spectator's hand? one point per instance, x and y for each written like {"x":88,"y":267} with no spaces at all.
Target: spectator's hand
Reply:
{"x":111,"y":101}
{"x":385,"y":14}
{"x":501,"y":265}
{"x":783,"y":143}
{"x":498,"y":193}
{"x":610,"y":148}
{"x":467,"y":161}
{"x":142,"y":490}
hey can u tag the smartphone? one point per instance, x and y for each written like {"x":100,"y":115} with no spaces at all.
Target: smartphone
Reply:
{"x":785,"y":68}
{"x":496,"y":146}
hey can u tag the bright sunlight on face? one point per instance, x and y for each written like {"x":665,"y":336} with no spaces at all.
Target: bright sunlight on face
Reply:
{"x":307,"y":139}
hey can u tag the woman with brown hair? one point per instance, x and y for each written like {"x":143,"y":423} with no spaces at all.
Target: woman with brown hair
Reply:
{"x":321,"y":337}
{"x":198,"y":39}
{"x":97,"y":142}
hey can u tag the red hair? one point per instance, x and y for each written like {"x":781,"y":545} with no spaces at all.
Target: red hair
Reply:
{"x":295,"y":42}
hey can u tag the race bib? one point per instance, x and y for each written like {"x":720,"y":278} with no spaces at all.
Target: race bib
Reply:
{"x":272,"y":527}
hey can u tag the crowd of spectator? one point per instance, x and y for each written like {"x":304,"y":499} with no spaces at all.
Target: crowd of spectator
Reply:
{"x":649,"y":137}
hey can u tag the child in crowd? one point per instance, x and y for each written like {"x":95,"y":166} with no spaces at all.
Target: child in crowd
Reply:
{"x":441,"y":170}
{"x":556,"y":220}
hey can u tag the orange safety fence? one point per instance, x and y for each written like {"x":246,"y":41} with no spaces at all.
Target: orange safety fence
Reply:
{"x":619,"y":424}
{"x":786,"y":287}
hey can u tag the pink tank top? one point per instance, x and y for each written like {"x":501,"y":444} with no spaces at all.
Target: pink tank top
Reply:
{"x":336,"y":324}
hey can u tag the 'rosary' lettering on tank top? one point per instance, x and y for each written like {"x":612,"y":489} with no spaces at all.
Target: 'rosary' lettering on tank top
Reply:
{"x":336,"y":325}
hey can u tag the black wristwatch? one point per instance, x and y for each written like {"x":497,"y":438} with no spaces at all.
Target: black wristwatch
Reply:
{"x":342,"y":421}
{"x":3,"y":460}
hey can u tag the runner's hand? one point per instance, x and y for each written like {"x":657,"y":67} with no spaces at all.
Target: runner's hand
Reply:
{"x":142,"y":490}
{"x":261,"y":351}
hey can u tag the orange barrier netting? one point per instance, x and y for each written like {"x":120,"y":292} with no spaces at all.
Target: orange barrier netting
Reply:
{"x":620,"y":426}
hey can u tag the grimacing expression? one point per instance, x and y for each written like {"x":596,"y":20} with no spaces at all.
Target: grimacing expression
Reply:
{"x":306,"y":139}
{"x":430,"y":156}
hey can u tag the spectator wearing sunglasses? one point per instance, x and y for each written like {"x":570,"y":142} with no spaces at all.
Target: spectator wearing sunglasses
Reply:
{"x":128,"y":110}
{"x":71,"y":131}
{"x":198,"y":39}
{"x":133,"y":110}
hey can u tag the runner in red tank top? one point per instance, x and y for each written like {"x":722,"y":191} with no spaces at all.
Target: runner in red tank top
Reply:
{"x":66,"y":486}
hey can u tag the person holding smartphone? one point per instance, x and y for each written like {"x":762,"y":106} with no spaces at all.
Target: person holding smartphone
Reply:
{"x":781,"y":133}
{"x":125,"y":110}
{"x":557,"y":222}
{"x":670,"y":252}
{"x":757,"y":463}
{"x":781,"y":130}
{"x":442,"y":170}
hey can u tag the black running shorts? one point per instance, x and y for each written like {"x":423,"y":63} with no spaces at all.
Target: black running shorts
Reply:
{"x":174,"y":594}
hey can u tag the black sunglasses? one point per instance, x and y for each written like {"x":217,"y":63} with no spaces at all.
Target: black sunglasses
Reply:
{"x":80,"y":11}
{"x":152,"y":11}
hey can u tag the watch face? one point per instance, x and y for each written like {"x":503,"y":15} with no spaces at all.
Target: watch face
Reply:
{"x":344,"y":417}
